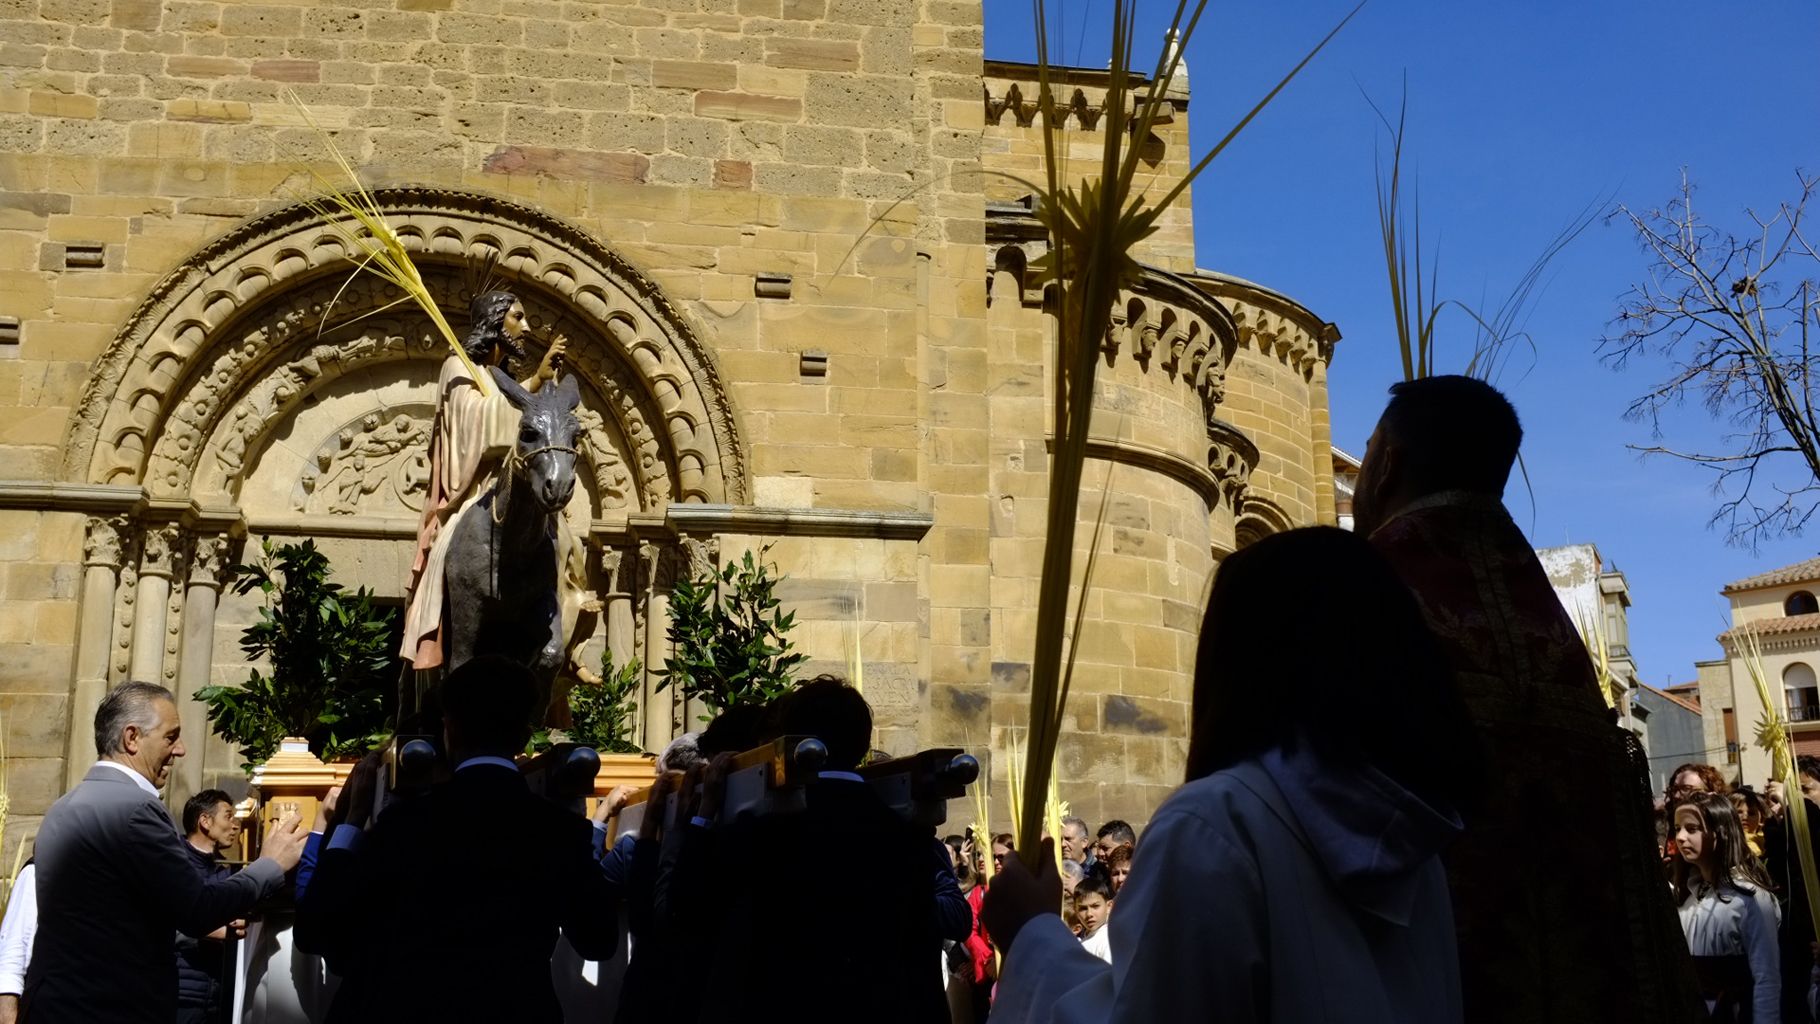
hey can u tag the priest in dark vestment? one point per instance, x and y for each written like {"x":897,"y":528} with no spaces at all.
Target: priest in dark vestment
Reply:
{"x":1560,"y":907}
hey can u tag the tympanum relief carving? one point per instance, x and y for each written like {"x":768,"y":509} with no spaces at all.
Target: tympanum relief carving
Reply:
{"x":379,"y":465}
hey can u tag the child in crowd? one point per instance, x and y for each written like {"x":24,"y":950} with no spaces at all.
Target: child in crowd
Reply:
{"x":1751,"y":815}
{"x":1118,"y":867}
{"x":1092,"y":905}
{"x":1727,"y":912}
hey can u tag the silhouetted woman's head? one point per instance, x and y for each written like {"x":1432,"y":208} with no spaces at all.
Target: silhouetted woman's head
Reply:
{"x":1310,"y":633}
{"x":488,"y":331}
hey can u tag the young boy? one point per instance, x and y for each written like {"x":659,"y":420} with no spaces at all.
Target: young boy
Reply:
{"x":1092,"y":904}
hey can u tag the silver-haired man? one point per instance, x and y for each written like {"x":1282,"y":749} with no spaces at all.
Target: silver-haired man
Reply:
{"x":115,"y":878}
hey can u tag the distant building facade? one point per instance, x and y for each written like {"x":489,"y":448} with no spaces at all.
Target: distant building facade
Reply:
{"x":1597,"y":599}
{"x":1675,"y":733}
{"x":1345,"y":482}
{"x":1776,"y":621}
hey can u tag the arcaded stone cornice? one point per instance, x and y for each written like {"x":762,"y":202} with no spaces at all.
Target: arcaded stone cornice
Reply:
{"x":1272,"y":322}
{"x":1011,"y":89}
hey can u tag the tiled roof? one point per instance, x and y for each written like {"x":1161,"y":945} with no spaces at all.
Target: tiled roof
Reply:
{"x":1677,"y":698}
{"x":1800,"y":572}
{"x":1774,"y":627}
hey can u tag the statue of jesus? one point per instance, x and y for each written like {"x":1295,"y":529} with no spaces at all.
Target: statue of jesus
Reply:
{"x":472,"y":433}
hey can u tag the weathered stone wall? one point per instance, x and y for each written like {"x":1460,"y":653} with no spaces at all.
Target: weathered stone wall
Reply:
{"x":1276,"y":393}
{"x":784,"y":193}
{"x":40,"y":577}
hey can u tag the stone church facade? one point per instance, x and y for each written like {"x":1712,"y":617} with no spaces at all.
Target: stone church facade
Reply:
{"x":800,"y":315}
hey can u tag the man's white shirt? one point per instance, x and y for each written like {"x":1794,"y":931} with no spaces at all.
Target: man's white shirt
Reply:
{"x":16,"y":931}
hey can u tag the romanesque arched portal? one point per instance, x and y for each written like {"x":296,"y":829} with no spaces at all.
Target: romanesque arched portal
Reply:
{"x":264,"y":389}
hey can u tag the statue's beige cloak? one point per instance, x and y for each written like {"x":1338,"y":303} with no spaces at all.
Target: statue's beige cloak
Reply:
{"x":468,"y":443}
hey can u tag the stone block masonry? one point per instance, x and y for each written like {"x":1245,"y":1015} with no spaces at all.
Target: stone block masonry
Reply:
{"x":800,"y":314}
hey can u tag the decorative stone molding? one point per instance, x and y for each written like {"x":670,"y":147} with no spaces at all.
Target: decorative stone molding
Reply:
{"x":1259,"y":517}
{"x":103,"y":542}
{"x":1167,"y":323}
{"x":1199,"y":479}
{"x":1271,"y":322}
{"x":1231,"y":456}
{"x":248,"y":305}
{"x":39,"y":496}
{"x":798,"y":522}
{"x":1171,"y":327}
{"x":126,"y":588}
{"x":1012,"y":98}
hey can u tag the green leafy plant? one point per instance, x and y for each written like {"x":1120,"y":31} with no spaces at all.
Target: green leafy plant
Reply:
{"x":728,"y":634}
{"x":330,"y":652}
{"x":603,"y":715}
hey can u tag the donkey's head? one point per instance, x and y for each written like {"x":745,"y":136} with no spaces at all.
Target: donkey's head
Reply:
{"x":547,"y":431}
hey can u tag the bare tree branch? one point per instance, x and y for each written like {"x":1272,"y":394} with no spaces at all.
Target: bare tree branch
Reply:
{"x":1728,"y":316}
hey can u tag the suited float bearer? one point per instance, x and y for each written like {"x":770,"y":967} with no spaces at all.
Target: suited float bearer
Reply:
{"x":448,"y":907}
{"x":116,"y":879}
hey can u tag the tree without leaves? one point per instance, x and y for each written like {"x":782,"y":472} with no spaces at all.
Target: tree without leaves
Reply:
{"x":1730,"y":316}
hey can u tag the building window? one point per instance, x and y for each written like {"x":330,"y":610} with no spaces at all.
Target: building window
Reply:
{"x":1801,"y":603}
{"x":1803,"y":692}
{"x":1731,"y":736}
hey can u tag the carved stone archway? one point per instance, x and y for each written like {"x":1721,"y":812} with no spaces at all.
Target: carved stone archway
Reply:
{"x":229,"y":403}
{"x":245,"y":306}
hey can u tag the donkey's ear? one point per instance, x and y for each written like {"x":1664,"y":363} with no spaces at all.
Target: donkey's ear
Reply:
{"x":514,"y":391}
{"x":569,"y":390}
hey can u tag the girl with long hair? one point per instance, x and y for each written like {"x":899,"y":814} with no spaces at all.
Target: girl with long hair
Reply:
{"x":1727,"y":912}
{"x":1296,"y":875}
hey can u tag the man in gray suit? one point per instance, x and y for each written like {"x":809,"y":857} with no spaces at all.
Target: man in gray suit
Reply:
{"x":114,"y":878}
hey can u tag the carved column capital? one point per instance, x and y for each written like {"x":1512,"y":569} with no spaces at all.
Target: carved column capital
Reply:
{"x":612,"y":559}
{"x":660,"y":563}
{"x":162,"y":552}
{"x":210,"y":561}
{"x":703,"y":555}
{"x":104,"y":542}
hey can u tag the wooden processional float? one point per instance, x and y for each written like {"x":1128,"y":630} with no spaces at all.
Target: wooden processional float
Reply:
{"x":769,"y":779}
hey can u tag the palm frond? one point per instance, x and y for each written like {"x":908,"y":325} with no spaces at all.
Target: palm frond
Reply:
{"x":1093,"y":228}
{"x":1772,"y":736}
{"x":351,"y":212}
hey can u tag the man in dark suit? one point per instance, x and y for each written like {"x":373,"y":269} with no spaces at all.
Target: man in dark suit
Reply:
{"x":448,"y":908}
{"x":116,"y":880}
{"x":827,"y":914}
{"x":203,"y":975}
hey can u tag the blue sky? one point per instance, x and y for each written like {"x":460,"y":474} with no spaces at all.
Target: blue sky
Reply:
{"x":1520,"y":114}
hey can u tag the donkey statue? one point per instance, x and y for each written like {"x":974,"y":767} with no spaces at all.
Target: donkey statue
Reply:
{"x":502,"y":588}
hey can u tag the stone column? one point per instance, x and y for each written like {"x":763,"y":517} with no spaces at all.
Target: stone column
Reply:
{"x":703,"y":559}
{"x":657,"y":704}
{"x":157,"y":564}
{"x":201,"y":597}
{"x":618,"y":606}
{"x":101,"y":559}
